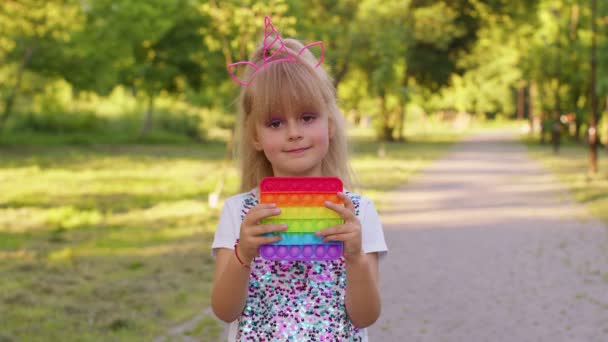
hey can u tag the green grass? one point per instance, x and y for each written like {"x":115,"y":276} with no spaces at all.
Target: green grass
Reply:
{"x":111,"y":242}
{"x":104,"y":242}
{"x":158,"y":137}
{"x":571,"y":166}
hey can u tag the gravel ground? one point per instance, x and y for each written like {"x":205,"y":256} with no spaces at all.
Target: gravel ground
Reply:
{"x":486,"y":245}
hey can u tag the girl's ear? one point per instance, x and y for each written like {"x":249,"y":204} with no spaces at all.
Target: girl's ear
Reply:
{"x":332,"y":128}
{"x":256,"y":142}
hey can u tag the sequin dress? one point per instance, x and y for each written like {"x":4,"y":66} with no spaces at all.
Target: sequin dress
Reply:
{"x":296,"y":300}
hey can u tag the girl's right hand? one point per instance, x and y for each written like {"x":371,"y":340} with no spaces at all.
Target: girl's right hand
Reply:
{"x":251,"y":237}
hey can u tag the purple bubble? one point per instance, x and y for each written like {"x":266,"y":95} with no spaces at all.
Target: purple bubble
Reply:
{"x":320,"y":251}
{"x":267,"y":251}
{"x":333,"y":251}
{"x":282,"y":251}
{"x":307,"y":251}
{"x":294,"y":251}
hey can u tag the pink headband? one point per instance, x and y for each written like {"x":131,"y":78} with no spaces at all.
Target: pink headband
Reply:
{"x":271,"y":36}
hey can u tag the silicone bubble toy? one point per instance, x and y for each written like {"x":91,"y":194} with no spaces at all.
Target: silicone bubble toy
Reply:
{"x":302,"y":203}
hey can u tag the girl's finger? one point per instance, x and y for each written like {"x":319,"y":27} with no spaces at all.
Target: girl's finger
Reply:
{"x":348,"y":203}
{"x":258,"y":213}
{"x":263,"y":206}
{"x":268,"y":228}
{"x":345,"y":213}
{"x":255,"y":241}
{"x":265,"y":240}
{"x":340,"y":237}
{"x":339,"y":229}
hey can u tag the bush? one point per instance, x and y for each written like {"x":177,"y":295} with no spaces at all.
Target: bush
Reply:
{"x":179,"y":123}
{"x":87,"y":127}
{"x":58,"y":122}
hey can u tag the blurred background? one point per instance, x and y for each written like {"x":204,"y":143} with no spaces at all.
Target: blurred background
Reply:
{"x":117,"y":118}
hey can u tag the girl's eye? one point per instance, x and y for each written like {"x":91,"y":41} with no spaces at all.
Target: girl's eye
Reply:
{"x":274,"y":123}
{"x":308,"y":118}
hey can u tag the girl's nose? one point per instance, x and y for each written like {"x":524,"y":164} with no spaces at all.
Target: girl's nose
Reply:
{"x":293,"y":131}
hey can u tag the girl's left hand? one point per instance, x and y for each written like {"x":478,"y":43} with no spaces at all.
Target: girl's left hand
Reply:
{"x":349,"y":232}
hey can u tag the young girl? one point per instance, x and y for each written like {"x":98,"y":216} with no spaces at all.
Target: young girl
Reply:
{"x":290,"y":125}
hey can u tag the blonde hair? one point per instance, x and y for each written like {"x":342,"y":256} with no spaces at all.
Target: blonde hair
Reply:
{"x":280,"y":87}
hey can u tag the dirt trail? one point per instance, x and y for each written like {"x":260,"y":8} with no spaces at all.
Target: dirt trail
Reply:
{"x":486,"y":245}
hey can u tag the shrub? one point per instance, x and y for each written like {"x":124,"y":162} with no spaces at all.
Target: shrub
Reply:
{"x":179,"y":123}
{"x":60,"y":122}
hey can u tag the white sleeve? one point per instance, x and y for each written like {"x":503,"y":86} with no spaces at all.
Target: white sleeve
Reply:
{"x":227,"y":229}
{"x":372,"y":235}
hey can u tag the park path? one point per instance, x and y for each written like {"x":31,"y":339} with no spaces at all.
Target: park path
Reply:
{"x":486,"y":245}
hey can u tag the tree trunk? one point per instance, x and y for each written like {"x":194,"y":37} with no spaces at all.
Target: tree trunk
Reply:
{"x":147,"y":120}
{"x":606,"y":111}
{"x":386,"y":133}
{"x":574,"y":21}
{"x":520,"y":101}
{"x":401,"y":120}
{"x":531,"y":99}
{"x":558,"y":72}
{"x":555,"y":113}
{"x":577,"y":127}
{"x":594,"y":102}
{"x":10,"y":101}
{"x":542,"y":116}
{"x":340,"y":75}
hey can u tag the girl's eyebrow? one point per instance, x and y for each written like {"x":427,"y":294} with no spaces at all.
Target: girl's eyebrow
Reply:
{"x":270,"y":118}
{"x":297,"y":113}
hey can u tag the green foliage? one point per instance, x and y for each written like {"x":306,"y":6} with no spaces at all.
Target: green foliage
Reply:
{"x":462,"y":55}
{"x":338,"y":32}
{"x":91,"y":128}
{"x":442,"y":31}
{"x":181,"y":124}
{"x":23,"y":23}
{"x":492,"y":71}
{"x":59,"y":122}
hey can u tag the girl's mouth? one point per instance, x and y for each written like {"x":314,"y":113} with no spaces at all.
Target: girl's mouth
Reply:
{"x":298,"y":150}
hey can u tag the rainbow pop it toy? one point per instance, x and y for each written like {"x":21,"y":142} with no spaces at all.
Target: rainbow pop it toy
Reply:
{"x":302,"y":202}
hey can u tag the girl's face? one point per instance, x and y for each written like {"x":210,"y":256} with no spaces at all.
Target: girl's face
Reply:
{"x":295,"y":142}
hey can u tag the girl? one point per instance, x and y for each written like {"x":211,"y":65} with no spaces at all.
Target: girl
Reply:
{"x":290,"y":125}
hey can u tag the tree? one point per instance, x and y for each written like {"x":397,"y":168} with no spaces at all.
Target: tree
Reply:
{"x":485,"y":76}
{"x":381,"y":38}
{"x":24,"y":24}
{"x":231,"y":36}
{"x":332,"y":22}
{"x":156,"y":43}
{"x":593,"y":92}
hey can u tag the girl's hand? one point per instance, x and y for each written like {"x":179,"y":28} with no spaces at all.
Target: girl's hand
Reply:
{"x":251,"y":231}
{"x":349,"y":232}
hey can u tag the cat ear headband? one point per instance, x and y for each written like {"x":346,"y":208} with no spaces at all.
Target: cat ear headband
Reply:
{"x":271,"y":37}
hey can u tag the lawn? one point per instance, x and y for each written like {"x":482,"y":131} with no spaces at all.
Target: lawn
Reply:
{"x":571,"y":168}
{"x":103,"y":243}
{"x":111,"y":242}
